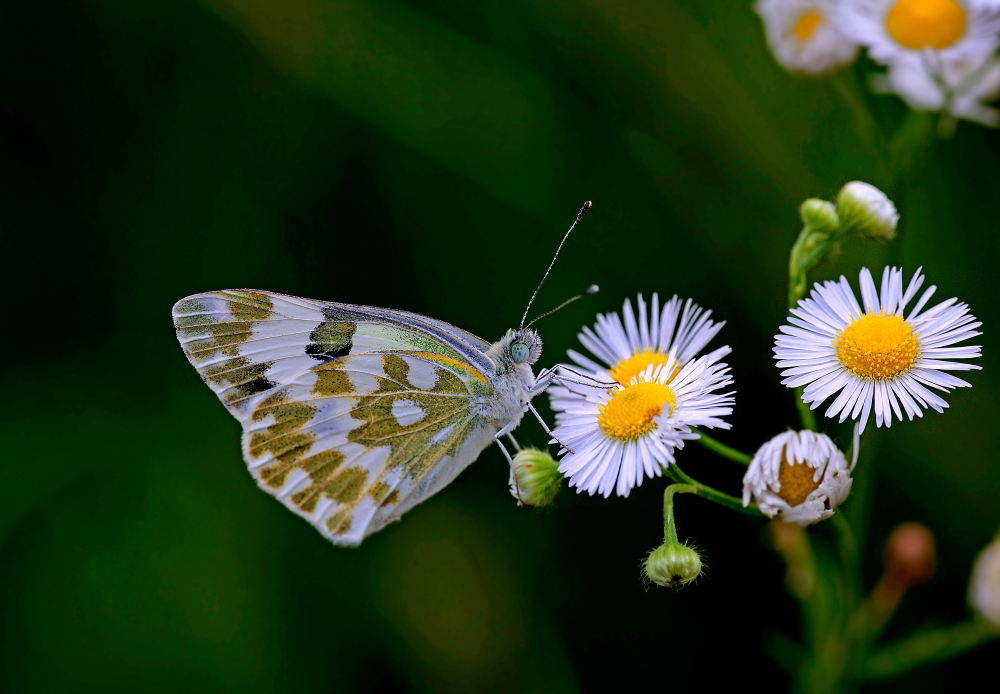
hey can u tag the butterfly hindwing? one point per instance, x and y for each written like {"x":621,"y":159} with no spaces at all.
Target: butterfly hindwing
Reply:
{"x":351,"y":415}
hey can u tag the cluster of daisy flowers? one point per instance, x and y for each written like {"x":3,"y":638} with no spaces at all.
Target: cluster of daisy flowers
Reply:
{"x":874,"y":357}
{"x":872,"y":353}
{"x":940,"y":55}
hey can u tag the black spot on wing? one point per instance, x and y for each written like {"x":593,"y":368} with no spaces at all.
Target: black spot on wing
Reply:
{"x":334,"y":315}
{"x":258,"y":385}
{"x":331,"y":340}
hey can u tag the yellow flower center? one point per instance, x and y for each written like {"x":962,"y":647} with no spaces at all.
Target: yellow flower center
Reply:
{"x":796,"y":481}
{"x":920,"y":24}
{"x":629,"y":413}
{"x":625,"y":369}
{"x":877,"y":346}
{"x":806,"y":24}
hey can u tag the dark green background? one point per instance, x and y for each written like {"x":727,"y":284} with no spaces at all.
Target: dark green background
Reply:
{"x":427,"y":156}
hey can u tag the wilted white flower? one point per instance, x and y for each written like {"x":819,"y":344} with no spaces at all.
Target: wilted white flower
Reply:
{"x":799,"y":477}
{"x":803,"y":37}
{"x":984,"y":588}
{"x":867,"y":211}
{"x":877,"y":357}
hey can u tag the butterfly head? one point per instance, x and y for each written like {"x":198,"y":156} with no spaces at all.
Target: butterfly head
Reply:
{"x":525,"y":346}
{"x":518,"y":348}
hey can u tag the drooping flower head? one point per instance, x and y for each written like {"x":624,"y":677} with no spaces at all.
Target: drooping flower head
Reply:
{"x":803,"y":36}
{"x":876,"y":355}
{"x":618,"y":436}
{"x":867,"y":211}
{"x":799,"y":477}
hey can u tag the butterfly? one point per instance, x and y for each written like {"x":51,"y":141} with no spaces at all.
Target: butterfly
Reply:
{"x":351,"y":414}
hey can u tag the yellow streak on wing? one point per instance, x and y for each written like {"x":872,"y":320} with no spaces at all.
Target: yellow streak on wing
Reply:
{"x":450,"y":364}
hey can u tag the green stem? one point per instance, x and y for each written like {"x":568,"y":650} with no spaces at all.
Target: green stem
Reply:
{"x":722,"y":449}
{"x":928,"y":647}
{"x":911,"y":143}
{"x":669,"y":527}
{"x":805,"y":414}
{"x":706,"y":492}
{"x":865,"y":127}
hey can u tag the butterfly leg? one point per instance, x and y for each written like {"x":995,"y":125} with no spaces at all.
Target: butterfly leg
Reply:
{"x":544,"y":380}
{"x":546,"y":428}
{"x":497,"y":437}
{"x":547,"y":376}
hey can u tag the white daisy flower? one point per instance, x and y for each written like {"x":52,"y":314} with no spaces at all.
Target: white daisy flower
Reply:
{"x":799,"y":477}
{"x":880,"y":357}
{"x":961,"y":88}
{"x":618,"y":437}
{"x":941,"y":30}
{"x":984,"y":587}
{"x":803,"y":36}
{"x":678,"y":332}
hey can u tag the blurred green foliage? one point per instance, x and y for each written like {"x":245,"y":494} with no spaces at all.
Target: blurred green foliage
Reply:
{"x":428,"y":156}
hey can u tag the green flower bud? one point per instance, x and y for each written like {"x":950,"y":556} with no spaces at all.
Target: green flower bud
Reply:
{"x":672,"y":565}
{"x":865,"y":210}
{"x":535,"y":478}
{"x":820,"y":216}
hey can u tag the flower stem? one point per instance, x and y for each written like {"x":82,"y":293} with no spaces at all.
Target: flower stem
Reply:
{"x":805,"y":414}
{"x":669,"y":527}
{"x":722,"y":449}
{"x":865,"y":127}
{"x":704,"y":491}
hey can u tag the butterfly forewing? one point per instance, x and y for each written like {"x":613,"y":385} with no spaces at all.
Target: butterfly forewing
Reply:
{"x":350,"y":415}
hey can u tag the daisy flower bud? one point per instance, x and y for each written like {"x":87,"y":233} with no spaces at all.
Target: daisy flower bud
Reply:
{"x":866,"y":210}
{"x":984,"y":589}
{"x":672,"y":565}
{"x":910,"y":556}
{"x":819,"y":215}
{"x":799,"y":477}
{"x":535,"y":478}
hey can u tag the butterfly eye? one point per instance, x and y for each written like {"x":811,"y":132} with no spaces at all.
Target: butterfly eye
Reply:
{"x":519,"y":352}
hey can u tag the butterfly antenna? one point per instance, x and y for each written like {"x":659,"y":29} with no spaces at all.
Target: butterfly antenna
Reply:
{"x":583,"y":210}
{"x":592,"y":289}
